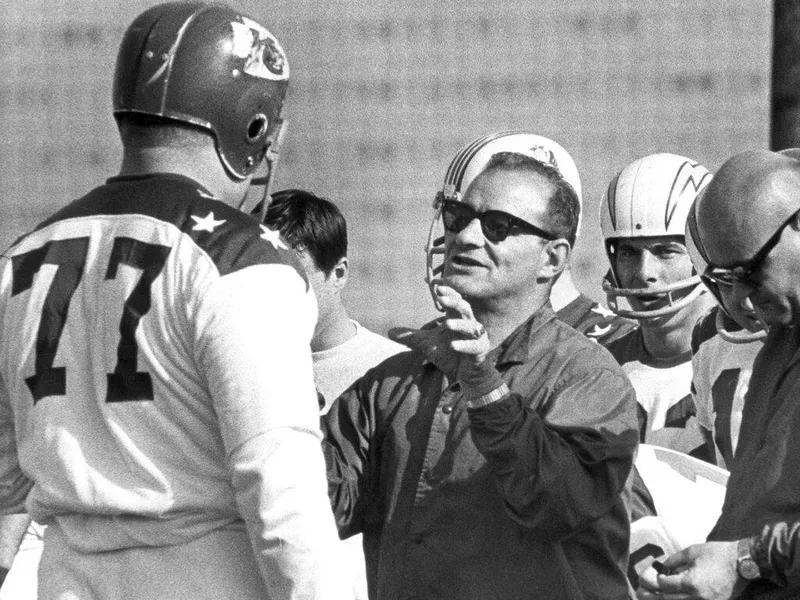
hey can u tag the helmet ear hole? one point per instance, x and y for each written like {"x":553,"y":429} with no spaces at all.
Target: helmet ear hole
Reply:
{"x":207,"y":65}
{"x":257,"y":127}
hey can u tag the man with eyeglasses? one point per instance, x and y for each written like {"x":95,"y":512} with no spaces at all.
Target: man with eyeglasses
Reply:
{"x":725,"y":342}
{"x":574,"y":308}
{"x":492,"y":460}
{"x":749,"y":224}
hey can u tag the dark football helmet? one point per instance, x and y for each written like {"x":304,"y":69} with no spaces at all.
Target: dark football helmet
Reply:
{"x":210,"y":66}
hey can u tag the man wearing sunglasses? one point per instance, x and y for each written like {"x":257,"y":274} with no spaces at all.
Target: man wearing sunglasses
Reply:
{"x":572,"y":307}
{"x":491,"y":461}
{"x":749,"y":224}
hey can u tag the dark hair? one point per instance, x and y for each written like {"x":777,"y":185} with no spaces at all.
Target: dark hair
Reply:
{"x":310,"y":224}
{"x":563,"y":207}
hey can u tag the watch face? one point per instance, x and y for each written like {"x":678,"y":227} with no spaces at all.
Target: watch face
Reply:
{"x":748,"y":569}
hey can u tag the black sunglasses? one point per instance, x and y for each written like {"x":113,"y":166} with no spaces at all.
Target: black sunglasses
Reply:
{"x":495,"y":224}
{"x":744,"y":273}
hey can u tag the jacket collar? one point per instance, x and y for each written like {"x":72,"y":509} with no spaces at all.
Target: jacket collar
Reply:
{"x":516,"y":348}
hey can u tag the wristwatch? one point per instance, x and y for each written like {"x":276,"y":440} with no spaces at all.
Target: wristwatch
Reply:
{"x":487,"y":399}
{"x":746,"y":567}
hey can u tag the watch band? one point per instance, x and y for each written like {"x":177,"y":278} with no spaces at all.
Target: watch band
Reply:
{"x":493,"y":396}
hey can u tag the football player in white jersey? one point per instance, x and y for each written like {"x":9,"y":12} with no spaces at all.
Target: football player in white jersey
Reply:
{"x":157,"y":405}
{"x":651,"y":279}
{"x":724,"y":345}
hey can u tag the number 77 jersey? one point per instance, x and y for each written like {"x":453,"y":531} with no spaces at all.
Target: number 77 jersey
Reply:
{"x":148,"y":333}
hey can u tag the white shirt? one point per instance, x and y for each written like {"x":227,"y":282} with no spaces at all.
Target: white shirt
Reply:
{"x":335,"y":369}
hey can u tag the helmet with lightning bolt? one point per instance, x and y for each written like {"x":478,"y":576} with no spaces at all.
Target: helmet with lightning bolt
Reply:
{"x":650,"y":198}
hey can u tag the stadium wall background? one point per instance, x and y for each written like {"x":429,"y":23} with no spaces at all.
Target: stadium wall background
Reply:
{"x":384,"y":93}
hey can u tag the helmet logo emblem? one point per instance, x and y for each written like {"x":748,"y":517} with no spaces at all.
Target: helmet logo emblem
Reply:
{"x":544,"y":156}
{"x":691,"y":177}
{"x":263,"y":55}
{"x":271,"y":56}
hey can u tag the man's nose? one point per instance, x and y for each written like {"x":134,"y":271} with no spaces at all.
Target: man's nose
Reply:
{"x":472,"y":234}
{"x":647,"y":267}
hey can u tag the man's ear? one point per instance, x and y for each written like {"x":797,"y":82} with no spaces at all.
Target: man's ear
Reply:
{"x":556,"y":258}
{"x":339,"y":273}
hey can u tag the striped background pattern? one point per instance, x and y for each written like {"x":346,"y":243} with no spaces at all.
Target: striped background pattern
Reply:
{"x":384,"y":93}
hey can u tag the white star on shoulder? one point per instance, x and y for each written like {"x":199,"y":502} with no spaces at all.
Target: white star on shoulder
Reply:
{"x":273,"y":237}
{"x":599,"y":331}
{"x":207,"y":223}
{"x":602,"y":310}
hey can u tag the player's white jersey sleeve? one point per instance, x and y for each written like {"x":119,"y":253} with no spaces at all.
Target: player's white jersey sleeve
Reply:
{"x":721,"y":377}
{"x":270,"y":430}
{"x":14,"y":485}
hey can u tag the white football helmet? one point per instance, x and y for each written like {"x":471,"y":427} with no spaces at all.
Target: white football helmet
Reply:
{"x":650,"y":198}
{"x":472,"y":160}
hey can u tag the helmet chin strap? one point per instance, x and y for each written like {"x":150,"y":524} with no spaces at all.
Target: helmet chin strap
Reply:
{"x":259,"y":211}
{"x":740,"y":336}
{"x":433,"y":248}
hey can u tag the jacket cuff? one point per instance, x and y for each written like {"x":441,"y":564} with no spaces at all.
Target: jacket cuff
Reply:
{"x":479,"y":380}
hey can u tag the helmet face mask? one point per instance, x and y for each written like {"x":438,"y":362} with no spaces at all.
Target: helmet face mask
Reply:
{"x":470,"y":162}
{"x":209,"y":66}
{"x":650,"y":198}
{"x":675,"y":297}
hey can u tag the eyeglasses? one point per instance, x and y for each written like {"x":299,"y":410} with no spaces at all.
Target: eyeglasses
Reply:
{"x":495,"y":224}
{"x":743,"y":273}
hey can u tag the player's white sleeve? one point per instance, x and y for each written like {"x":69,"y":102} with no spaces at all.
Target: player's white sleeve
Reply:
{"x":254,"y":349}
{"x":14,"y":486}
{"x":700,"y":396}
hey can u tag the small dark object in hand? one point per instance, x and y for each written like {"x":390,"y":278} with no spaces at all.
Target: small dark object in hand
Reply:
{"x":660,"y":568}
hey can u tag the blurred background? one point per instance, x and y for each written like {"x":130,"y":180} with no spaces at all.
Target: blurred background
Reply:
{"x":384,"y":93}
